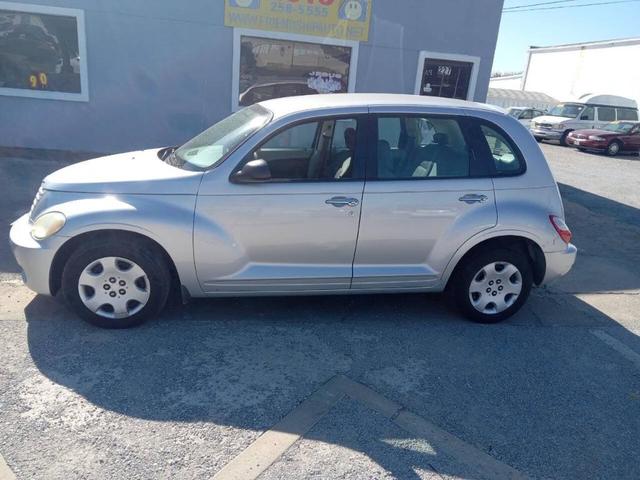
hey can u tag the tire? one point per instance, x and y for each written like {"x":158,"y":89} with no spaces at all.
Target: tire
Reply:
{"x":582,"y":150}
{"x":613,"y":148}
{"x":538,"y":139}
{"x":468,"y":280}
{"x":115,"y":267}
{"x":563,"y":138}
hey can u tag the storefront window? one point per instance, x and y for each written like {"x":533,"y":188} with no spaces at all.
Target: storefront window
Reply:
{"x":446,"y":77}
{"x":273,"y":68}
{"x":40,"y":53}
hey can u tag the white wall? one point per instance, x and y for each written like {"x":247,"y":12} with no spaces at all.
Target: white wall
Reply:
{"x":569,"y":72}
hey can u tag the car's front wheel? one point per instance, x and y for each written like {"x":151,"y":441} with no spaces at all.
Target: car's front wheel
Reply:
{"x":493,"y":285}
{"x":613,"y":148}
{"x":114,"y":285}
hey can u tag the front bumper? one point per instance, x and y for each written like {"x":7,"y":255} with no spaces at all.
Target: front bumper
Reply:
{"x":34,"y":257}
{"x":559,"y":263}
{"x":586,"y":143}
{"x":546,"y":134}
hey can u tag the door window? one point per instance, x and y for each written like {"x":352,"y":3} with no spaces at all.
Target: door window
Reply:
{"x":505,"y":157}
{"x":411,"y":147}
{"x":587,"y":114}
{"x":606,"y":114}
{"x":627,"y":114}
{"x":320,"y":150}
{"x":526,"y":115}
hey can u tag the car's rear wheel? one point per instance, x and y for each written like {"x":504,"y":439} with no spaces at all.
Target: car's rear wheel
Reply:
{"x":112,"y":285}
{"x":613,"y":148}
{"x":493,"y":285}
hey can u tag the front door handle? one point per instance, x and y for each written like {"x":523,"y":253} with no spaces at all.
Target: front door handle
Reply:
{"x":342,"y":202}
{"x":470,"y":198}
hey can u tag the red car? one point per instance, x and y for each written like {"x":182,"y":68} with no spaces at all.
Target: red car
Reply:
{"x":614,"y":138}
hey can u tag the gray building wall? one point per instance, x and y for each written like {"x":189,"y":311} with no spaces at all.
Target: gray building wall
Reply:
{"x":159,"y":71}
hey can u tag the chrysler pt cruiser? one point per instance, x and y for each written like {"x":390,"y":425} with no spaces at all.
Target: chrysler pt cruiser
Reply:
{"x":320,"y":194}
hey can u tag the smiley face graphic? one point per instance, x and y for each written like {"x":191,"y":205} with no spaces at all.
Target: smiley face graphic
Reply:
{"x":245,"y":3}
{"x":354,"y":10}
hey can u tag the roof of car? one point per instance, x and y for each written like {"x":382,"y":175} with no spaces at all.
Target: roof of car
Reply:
{"x":287,"y":105}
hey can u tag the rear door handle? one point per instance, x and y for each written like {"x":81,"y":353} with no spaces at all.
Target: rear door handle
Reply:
{"x":470,"y":198}
{"x":342,"y":202}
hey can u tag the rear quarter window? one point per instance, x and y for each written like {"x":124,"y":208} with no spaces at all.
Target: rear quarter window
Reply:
{"x":506,"y":158}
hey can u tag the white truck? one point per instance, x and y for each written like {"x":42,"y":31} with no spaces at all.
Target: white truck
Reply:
{"x":589,"y":111}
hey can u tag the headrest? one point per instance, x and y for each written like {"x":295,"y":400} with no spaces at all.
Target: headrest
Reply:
{"x":441,"y":139}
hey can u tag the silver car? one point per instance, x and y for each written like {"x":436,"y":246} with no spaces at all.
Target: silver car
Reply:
{"x":321,"y":194}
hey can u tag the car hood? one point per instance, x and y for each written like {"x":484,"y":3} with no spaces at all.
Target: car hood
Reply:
{"x":595,"y":131}
{"x":134,"y":172}
{"x":551,"y":119}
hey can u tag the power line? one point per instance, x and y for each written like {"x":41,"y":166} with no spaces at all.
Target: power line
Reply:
{"x":566,"y":6}
{"x":537,"y":4}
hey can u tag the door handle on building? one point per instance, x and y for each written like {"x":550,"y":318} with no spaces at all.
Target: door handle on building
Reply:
{"x":470,"y":198}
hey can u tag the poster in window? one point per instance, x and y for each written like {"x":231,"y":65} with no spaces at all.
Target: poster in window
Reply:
{"x":39,"y":52}
{"x":274,"y":68}
{"x":446,"y":78}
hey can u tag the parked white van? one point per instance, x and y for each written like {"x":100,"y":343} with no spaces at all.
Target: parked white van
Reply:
{"x":590,"y":111}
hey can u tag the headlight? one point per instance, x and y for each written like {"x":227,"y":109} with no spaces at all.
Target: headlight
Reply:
{"x":47,"y":225}
{"x":561,"y":126}
{"x":596,"y":138}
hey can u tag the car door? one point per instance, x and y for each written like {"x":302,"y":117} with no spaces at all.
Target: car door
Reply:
{"x":525,"y":117}
{"x":294,"y":231}
{"x":631,"y":140}
{"x":423,"y":203}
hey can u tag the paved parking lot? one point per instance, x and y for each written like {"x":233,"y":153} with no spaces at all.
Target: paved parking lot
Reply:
{"x":340,"y":387}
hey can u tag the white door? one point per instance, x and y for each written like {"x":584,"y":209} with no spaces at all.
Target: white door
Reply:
{"x":294,"y":231}
{"x":421,"y":202}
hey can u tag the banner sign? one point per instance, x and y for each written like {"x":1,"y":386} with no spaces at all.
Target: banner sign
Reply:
{"x":344,"y":19}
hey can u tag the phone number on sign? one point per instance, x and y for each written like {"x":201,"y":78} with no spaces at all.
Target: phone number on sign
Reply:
{"x":317,"y":8}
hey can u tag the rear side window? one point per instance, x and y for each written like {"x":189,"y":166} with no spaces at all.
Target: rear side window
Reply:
{"x":506,"y":158}
{"x":606,"y":114}
{"x":421,"y":147}
{"x":627,"y":114}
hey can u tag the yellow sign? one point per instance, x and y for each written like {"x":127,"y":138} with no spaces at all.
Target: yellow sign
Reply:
{"x":345,"y":19}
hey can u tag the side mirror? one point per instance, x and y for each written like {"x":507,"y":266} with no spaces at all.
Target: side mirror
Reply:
{"x":252,"y":171}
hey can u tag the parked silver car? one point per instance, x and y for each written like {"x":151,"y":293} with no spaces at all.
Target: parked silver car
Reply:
{"x":321,"y":194}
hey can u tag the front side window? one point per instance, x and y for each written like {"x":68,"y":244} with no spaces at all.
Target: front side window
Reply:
{"x":273,"y":68}
{"x":411,"y":147}
{"x":212,"y":145}
{"x":606,"y":114}
{"x":587,"y":114}
{"x":311,"y":151}
{"x":41,"y":54}
{"x":505,"y":157}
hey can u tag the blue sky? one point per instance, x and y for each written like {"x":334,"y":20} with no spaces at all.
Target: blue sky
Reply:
{"x":569,"y":25}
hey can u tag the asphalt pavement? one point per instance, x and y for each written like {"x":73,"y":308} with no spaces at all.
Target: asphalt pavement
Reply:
{"x":384,"y":386}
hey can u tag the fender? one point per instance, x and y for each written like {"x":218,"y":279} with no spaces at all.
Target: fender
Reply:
{"x":482,"y":237}
{"x":165,"y":219}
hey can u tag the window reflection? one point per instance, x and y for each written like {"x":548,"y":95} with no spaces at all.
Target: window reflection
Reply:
{"x":271,"y":68}
{"x":39,"y":52}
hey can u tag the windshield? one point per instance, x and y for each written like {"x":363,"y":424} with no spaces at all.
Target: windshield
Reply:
{"x":571,"y":110}
{"x":211,"y":146}
{"x":619,"y":127}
